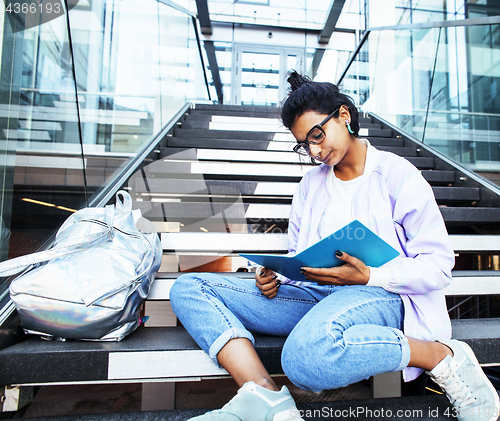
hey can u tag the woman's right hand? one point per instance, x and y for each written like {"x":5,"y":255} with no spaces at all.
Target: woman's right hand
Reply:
{"x":267,"y":282}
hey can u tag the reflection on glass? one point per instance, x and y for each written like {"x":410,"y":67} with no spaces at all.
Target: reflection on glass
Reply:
{"x":272,"y":12}
{"x":439,"y":85}
{"x":62,"y":140}
{"x":407,"y":12}
{"x":260,"y":78}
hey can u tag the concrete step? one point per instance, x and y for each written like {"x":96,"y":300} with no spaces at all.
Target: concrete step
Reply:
{"x":285,"y":144}
{"x":236,"y":212}
{"x":278,"y":243}
{"x":265,"y":112}
{"x":245,"y":111}
{"x":211,"y":122}
{"x":236,"y":155}
{"x":433,"y":177}
{"x":234,"y":108}
{"x":254,"y":135}
{"x":171,"y":187}
{"x":465,"y":283}
{"x":471,"y":215}
{"x":262,"y":171}
{"x":233,"y":135}
{"x":171,"y":354}
{"x":433,"y":407}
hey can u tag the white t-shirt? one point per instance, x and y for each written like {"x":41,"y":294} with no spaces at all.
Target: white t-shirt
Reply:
{"x":339,"y":212}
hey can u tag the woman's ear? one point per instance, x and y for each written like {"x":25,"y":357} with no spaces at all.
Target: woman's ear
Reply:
{"x":344,"y":113}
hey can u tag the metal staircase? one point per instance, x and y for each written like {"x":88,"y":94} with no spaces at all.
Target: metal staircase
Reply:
{"x":231,"y":170}
{"x":213,"y":191}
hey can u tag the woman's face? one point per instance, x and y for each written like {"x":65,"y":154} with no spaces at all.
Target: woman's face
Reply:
{"x":336,"y":144}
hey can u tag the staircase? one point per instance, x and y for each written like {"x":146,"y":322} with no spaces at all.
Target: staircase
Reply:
{"x":231,"y":169}
{"x":221,"y":183}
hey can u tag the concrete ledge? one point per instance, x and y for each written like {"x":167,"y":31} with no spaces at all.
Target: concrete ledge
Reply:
{"x":164,"y":354}
{"x":160,"y":354}
{"x":421,"y":408}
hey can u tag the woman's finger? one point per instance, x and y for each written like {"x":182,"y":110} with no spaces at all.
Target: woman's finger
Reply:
{"x":265,"y":276}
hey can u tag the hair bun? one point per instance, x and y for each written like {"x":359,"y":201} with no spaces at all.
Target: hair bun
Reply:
{"x":296,"y":80}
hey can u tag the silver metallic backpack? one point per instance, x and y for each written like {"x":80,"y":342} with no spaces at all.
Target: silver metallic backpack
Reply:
{"x":91,"y":284}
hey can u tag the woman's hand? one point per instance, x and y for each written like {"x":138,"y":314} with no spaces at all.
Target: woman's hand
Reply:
{"x":267,"y":282}
{"x":352,"y":272}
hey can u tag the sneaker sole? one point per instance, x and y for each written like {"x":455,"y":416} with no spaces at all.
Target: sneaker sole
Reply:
{"x":472,"y":357}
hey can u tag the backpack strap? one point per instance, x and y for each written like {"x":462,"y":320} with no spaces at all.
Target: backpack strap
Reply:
{"x":16,"y":265}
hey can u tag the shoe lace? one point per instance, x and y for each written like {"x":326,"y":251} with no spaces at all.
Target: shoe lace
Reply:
{"x":232,"y":402}
{"x":457,"y":391}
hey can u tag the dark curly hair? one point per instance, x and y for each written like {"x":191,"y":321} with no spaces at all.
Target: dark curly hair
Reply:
{"x":322,"y":97}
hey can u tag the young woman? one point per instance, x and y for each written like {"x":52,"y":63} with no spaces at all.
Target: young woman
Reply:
{"x":353,"y":321}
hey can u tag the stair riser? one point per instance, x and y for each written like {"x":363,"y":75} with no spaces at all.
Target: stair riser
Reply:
{"x":207,"y":121}
{"x":185,"y":187}
{"x":288,"y":156}
{"x":259,"y":145}
{"x":251,"y":135}
{"x":191,"y":213}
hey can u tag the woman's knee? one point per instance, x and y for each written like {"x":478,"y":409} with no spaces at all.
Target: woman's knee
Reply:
{"x":185,"y":288}
{"x":179,"y":287}
{"x":302,"y":359}
{"x":294,"y":363}
{"x":312,"y":359}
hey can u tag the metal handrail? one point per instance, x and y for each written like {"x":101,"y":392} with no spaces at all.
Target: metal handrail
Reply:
{"x":198,"y":42}
{"x":490,"y":20}
{"x":107,"y":194}
{"x":493,"y":188}
{"x":103,"y":197}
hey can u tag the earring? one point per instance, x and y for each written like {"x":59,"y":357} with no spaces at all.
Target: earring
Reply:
{"x":348,"y":125}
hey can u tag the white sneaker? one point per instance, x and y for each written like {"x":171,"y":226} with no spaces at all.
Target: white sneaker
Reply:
{"x":471,"y":393}
{"x":256,"y":403}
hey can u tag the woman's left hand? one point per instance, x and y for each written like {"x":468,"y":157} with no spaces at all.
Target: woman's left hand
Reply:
{"x":352,"y":272}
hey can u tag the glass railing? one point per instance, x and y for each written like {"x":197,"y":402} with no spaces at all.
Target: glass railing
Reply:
{"x":80,"y":96}
{"x":437,"y":82}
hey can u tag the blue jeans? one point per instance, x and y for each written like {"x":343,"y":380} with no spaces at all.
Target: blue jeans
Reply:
{"x":336,"y":335}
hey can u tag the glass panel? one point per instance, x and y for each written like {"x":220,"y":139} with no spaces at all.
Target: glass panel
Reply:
{"x":311,"y":14}
{"x":61,"y":140}
{"x":42,"y":162}
{"x":133,"y":73}
{"x":439,"y":85}
{"x":402,"y":12}
{"x":260,"y":78}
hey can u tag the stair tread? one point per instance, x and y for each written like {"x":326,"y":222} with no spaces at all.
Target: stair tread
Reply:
{"x":255,"y":135}
{"x":264,"y":145}
{"x":184,"y":187}
{"x":275,"y":170}
{"x":240,"y":212}
{"x":37,"y":361}
{"x":238,"y":155}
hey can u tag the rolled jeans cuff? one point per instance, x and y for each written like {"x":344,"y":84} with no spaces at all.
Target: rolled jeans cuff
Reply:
{"x":405,"y":350}
{"x":225,"y":338}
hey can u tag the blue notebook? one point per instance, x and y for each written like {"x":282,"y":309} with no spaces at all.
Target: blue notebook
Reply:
{"x":354,"y":239}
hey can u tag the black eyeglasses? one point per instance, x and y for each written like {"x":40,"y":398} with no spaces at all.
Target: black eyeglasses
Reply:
{"x":315,"y":136}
